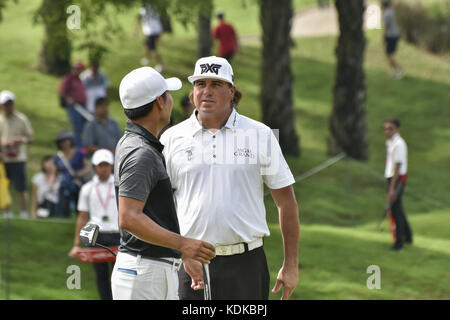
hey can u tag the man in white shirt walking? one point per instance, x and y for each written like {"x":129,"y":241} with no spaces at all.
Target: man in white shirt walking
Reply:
{"x":396,"y":173}
{"x":218,"y":162}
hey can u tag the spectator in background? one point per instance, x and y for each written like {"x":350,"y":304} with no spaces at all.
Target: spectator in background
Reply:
{"x":97,"y":204}
{"x":152,"y":29}
{"x":46,"y":184}
{"x":96,"y":85}
{"x":15,"y":133}
{"x":188,"y":107}
{"x":228,"y":42}
{"x":396,"y":174}
{"x":103,"y":132}
{"x":390,"y":36}
{"x":73,"y":99}
{"x":72,"y":166}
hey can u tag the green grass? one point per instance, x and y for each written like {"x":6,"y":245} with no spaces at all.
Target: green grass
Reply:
{"x":339,"y":207}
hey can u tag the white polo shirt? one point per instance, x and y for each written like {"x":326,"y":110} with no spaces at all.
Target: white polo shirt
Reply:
{"x":99,"y":200}
{"x":218,"y":178}
{"x":396,"y":152}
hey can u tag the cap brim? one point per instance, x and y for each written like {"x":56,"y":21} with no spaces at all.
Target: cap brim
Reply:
{"x":193,"y":78}
{"x":173,"y":84}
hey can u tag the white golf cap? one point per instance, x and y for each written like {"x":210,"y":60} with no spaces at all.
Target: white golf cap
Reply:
{"x":6,"y":96}
{"x":102,"y":155}
{"x":143,"y":85}
{"x":212,"y":68}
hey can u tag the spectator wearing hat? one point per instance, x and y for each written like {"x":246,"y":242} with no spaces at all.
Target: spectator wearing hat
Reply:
{"x":72,"y":167}
{"x":150,"y":240}
{"x":15,"y":133}
{"x":103,"y":132}
{"x":218,"y":162}
{"x":96,"y":85}
{"x":73,"y":98}
{"x":97,"y":205}
{"x":225,"y":33}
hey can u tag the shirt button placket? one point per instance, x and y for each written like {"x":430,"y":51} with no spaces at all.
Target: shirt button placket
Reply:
{"x":214,"y":150}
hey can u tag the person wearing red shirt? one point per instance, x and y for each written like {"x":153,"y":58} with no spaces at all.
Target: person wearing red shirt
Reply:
{"x":72,"y":93}
{"x":225,"y":33}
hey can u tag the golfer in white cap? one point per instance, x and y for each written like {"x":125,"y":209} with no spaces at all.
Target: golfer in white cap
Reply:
{"x":97,"y":204}
{"x":150,"y":244}
{"x":218,"y":162}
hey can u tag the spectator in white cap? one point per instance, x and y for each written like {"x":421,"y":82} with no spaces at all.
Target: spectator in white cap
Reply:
{"x":97,"y":204}
{"x":218,"y":162}
{"x":150,"y":240}
{"x":15,"y":133}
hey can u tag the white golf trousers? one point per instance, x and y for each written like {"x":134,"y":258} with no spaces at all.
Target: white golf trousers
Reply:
{"x":136,"y":278}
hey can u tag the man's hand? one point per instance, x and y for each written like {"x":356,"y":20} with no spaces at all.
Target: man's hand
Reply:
{"x":195,"y":270}
{"x":198,"y":250}
{"x":288,"y":278}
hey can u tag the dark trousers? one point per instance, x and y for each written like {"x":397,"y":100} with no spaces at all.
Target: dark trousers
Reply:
{"x":402,"y":229}
{"x":103,"y":270}
{"x":238,"y":277}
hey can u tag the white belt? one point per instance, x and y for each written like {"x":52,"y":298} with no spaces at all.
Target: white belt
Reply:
{"x":238,"y":248}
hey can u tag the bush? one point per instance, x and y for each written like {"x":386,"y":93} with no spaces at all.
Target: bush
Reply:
{"x":425,"y":27}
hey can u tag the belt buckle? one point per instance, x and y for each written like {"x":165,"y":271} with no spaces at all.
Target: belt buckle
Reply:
{"x":222,"y":250}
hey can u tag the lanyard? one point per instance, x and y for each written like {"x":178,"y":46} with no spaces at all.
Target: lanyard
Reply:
{"x":108,"y":197}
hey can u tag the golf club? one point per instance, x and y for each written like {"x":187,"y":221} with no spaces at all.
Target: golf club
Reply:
{"x":207,"y":288}
{"x":88,"y":236}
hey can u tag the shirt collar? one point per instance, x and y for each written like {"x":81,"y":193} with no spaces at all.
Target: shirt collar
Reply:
{"x":135,"y":128}
{"x":231,"y":123}
{"x":394,"y":137}
{"x":95,"y":179}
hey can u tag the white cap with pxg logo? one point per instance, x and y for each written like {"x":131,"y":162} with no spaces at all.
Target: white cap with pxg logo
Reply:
{"x":212,"y":68}
{"x":143,"y":85}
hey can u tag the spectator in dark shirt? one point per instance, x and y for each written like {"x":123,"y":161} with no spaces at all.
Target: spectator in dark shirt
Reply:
{"x":103,"y":132}
{"x":72,"y":167}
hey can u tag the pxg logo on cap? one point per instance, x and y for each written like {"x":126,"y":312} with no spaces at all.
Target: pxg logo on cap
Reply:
{"x":212,"y":68}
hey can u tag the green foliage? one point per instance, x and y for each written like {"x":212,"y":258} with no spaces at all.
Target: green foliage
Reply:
{"x":427,"y":27}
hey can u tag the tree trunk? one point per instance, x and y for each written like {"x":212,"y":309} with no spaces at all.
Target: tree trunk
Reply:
{"x":276,"y":75}
{"x":204,"y":30}
{"x":348,"y":119}
{"x":56,"y":47}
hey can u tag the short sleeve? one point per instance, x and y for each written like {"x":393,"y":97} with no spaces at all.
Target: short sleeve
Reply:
{"x":83,"y":199}
{"x":274,"y":168}
{"x":399,"y":154}
{"x":87,"y":136}
{"x":139,"y":174}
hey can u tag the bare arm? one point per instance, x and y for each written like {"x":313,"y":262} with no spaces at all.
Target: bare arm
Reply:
{"x":394,"y":181}
{"x":290,"y":229}
{"x":82,"y":219}
{"x":133,"y":220}
{"x":85,"y":169}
